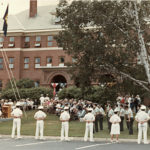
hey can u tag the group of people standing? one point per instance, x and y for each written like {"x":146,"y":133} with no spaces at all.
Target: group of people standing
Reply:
{"x":93,"y":115}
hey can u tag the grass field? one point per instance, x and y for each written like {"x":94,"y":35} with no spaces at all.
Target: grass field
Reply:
{"x":53,"y":126}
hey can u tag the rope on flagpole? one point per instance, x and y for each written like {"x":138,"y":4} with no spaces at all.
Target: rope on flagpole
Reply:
{"x":8,"y":74}
{"x":13,"y":79}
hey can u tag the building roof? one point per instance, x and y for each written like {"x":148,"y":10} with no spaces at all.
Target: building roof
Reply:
{"x":21,"y":22}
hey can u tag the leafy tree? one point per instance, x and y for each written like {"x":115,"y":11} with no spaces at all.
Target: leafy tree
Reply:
{"x":106,"y":37}
{"x":23,"y":83}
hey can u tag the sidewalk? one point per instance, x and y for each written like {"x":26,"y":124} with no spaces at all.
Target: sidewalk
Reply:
{"x":76,"y":138}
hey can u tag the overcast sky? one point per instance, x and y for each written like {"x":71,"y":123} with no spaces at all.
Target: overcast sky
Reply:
{"x":16,"y":6}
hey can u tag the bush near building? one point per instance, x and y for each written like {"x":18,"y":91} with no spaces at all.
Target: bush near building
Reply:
{"x":96,"y":94}
{"x":33,"y":93}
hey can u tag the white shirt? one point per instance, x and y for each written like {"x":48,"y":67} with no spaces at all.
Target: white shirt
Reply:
{"x":102,"y":111}
{"x":96,"y":111}
{"x":16,"y":112}
{"x":39,"y":114}
{"x":65,"y":116}
{"x":142,"y":116}
{"x":42,"y":99}
{"x":129,"y":113}
{"x":110,"y":113}
{"x":122,"y":112}
{"x":115,"y":118}
{"x":89,"y":117}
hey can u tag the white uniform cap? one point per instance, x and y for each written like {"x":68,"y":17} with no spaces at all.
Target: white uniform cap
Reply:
{"x":66,"y":108}
{"x":143,"y":107}
{"x":89,"y":109}
{"x":40,"y":107}
{"x":17,"y":104}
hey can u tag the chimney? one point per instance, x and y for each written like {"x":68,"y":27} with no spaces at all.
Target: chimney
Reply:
{"x":33,"y":8}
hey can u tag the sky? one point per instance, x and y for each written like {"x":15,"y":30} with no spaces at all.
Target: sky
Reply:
{"x":16,"y":6}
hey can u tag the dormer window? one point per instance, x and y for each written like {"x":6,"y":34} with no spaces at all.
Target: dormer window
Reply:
{"x":57,"y":20}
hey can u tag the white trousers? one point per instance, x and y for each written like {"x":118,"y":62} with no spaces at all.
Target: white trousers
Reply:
{"x":16,"y":124}
{"x":88,"y":128}
{"x":64,"y":130}
{"x":39,"y":129}
{"x":142,"y":128}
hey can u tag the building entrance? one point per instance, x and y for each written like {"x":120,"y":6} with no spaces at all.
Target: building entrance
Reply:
{"x":61,"y":82}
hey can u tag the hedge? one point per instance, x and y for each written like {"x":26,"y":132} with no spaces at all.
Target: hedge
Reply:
{"x":33,"y":93}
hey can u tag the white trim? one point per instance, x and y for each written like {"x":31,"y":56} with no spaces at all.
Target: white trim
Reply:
{"x":32,"y":31}
{"x":32,"y":49}
{"x":54,"y":67}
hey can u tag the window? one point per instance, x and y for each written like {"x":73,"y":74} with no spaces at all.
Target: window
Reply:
{"x":11,"y":62}
{"x":38,"y":38}
{"x":27,"y":39}
{"x":11,"y":39}
{"x":1,"y":63}
{"x":50,"y":39}
{"x":37,"y":83}
{"x":1,"y":85}
{"x":26,"y":63}
{"x":62,"y":60}
{"x":37,"y":62}
{"x":1,"y":39}
{"x":49,"y":61}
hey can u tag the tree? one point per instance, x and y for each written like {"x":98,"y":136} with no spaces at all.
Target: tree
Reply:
{"x":106,"y":37}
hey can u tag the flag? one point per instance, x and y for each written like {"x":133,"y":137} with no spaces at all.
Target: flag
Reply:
{"x":5,"y":25}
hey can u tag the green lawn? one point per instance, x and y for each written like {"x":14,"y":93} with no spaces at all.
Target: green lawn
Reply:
{"x":53,"y":125}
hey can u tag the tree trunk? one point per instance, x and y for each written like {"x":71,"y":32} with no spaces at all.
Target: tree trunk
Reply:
{"x":143,"y":51}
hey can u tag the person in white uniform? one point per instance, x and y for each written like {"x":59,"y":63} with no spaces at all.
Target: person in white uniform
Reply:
{"x":142,"y":119}
{"x":64,"y":118}
{"x":39,"y":116}
{"x":42,"y":100}
{"x":115,"y":127}
{"x":89,"y":118}
{"x":16,"y":114}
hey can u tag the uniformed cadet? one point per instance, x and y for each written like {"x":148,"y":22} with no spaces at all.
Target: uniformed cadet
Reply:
{"x":142,"y":119}
{"x":39,"y":116}
{"x":101,"y":116}
{"x":42,"y":100}
{"x":16,"y":114}
{"x":122,"y":115}
{"x":89,"y":118}
{"x":115,"y":127}
{"x":96,"y":112}
{"x":64,"y":118}
{"x":129,"y":119}
{"x":110,"y":113}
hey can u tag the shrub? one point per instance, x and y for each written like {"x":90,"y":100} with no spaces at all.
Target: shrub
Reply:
{"x":33,"y":93}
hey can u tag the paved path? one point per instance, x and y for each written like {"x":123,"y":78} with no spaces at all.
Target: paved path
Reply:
{"x":32,"y":144}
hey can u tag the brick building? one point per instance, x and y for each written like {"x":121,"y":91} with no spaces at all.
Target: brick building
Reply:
{"x":31,"y":48}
